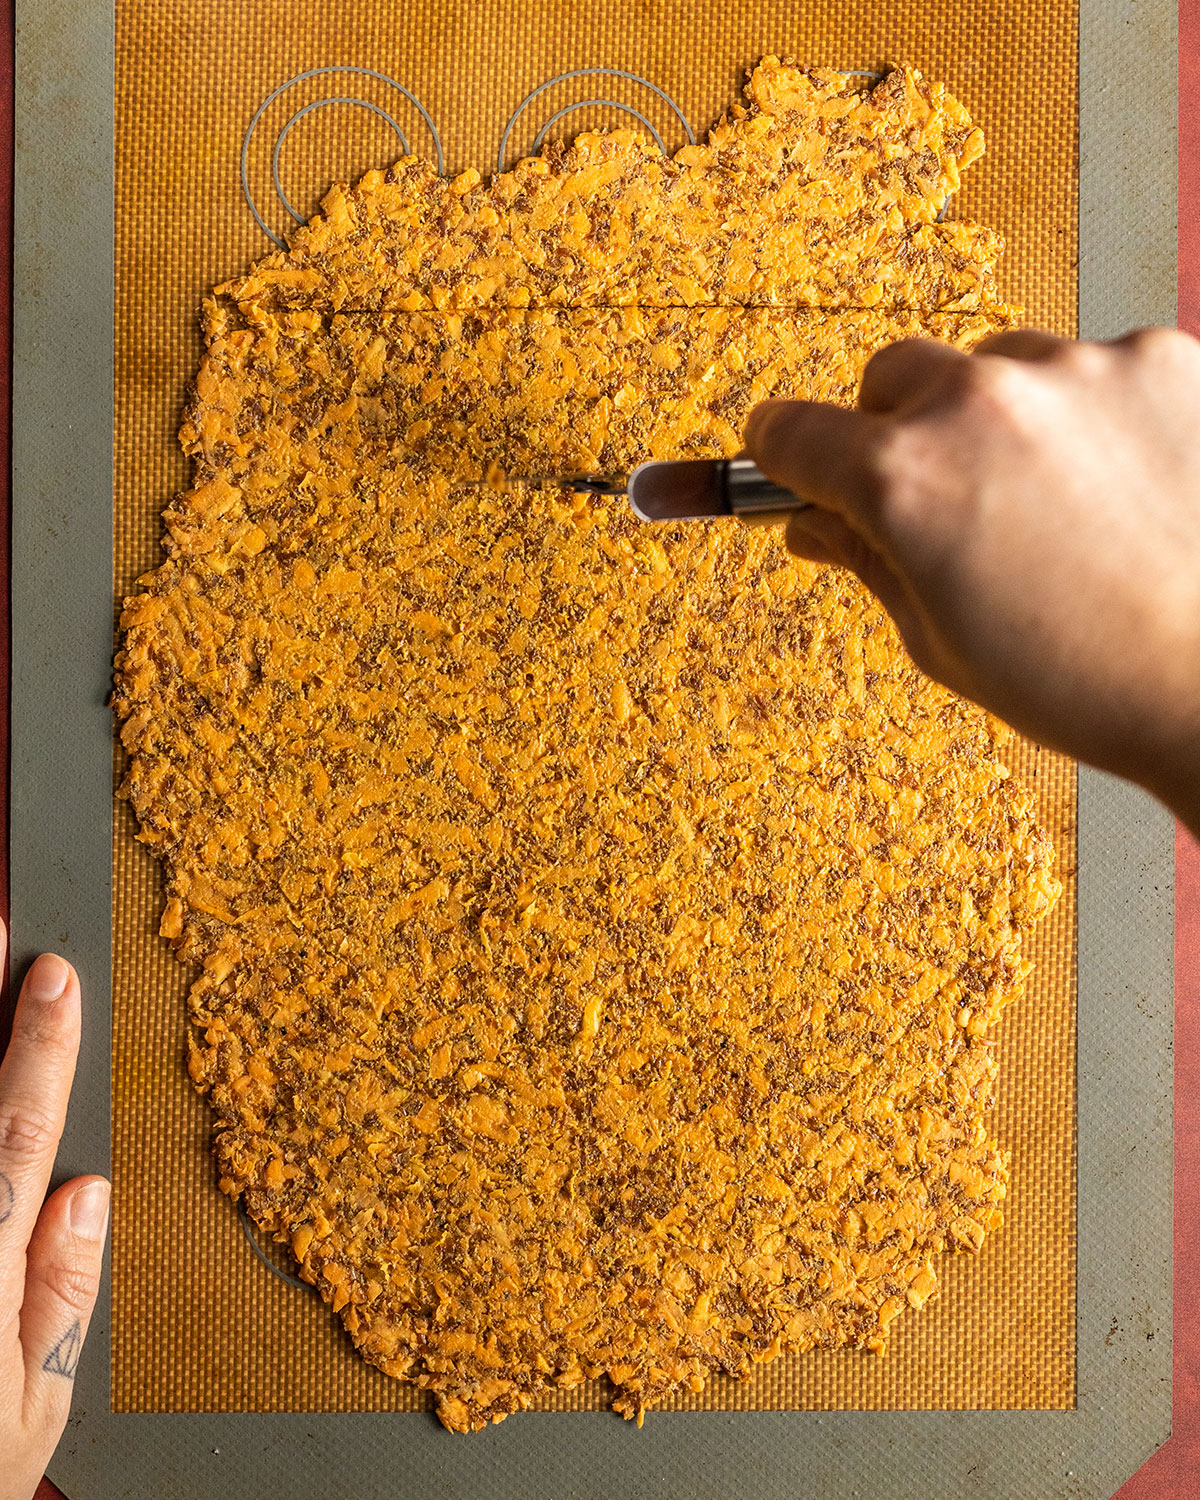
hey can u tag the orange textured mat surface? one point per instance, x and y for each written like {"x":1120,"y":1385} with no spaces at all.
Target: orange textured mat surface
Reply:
{"x":199,"y":1322}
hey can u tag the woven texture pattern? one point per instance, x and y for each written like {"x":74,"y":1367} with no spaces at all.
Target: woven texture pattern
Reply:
{"x":200,"y":1323}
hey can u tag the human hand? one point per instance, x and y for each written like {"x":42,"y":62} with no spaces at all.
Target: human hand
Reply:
{"x":50,"y":1250}
{"x":1029,"y":514}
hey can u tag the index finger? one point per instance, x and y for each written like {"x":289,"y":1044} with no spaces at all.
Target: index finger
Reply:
{"x":35,"y":1083}
{"x":823,"y":453}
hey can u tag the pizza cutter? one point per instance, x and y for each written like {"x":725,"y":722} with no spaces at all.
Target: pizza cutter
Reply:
{"x":694,"y":489}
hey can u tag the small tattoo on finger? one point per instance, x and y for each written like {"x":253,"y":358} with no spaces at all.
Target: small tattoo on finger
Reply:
{"x":6,"y":1197}
{"x":63,"y":1359}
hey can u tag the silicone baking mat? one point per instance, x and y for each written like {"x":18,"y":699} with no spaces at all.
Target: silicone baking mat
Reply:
{"x":200,"y":1322}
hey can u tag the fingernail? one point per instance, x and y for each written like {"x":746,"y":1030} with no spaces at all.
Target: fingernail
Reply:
{"x":89,"y":1210}
{"x":48,"y":977}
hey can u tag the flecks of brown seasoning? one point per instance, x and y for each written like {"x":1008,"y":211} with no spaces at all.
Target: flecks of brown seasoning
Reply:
{"x":599,"y":927}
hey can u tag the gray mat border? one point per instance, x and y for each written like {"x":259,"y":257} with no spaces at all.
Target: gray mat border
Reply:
{"x":60,"y":854}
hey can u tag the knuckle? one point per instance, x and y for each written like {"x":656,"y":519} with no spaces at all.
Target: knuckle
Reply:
{"x":26,"y":1132}
{"x":898,"y":352}
{"x":1057,"y":353}
{"x":908,"y":371}
{"x":941,"y":379}
{"x":74,"y":1282}
{"x":1148,"y":340}
{"x":1000,"y":393}
{"x":1160,"y":345}
{"x":1084,"y":359}
{"x":47,"y":1032}
{"x":901,"y":458}
{"x":991,"y":378}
